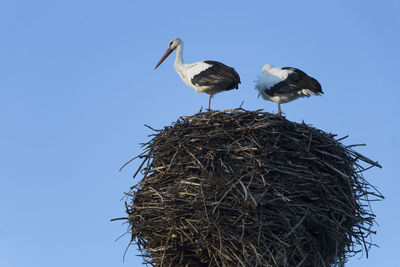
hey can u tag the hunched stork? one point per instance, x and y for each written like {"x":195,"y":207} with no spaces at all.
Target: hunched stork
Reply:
{"x":282,"y":85}
{"x":210,"y":77}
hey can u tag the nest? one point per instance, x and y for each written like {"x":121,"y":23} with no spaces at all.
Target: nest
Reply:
{"x":249,"y":188}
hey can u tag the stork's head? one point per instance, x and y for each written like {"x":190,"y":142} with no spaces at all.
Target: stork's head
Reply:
{"x":266,"y":67}
{"x":173,"y":44}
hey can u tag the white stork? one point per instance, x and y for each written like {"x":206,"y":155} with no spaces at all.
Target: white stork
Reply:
{"x":282,"y":85}
{"x":210,"y":77}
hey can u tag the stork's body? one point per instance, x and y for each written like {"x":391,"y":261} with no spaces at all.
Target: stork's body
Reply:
{"x":282,"y":85}
{"x":210,"y":77}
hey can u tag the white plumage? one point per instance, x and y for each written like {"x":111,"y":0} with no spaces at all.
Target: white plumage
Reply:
{"x":188,"y":71}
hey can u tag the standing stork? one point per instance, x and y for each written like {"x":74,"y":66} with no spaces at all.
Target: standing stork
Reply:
{"x":282,"y":85}
{"x":210,"y":77}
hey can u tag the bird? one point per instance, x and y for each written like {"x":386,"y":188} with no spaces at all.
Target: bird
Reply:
{"x":210,"y":77}
{"x":282,"y":85}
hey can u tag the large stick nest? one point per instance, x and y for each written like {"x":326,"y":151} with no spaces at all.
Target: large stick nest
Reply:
{"x":248,"y":188}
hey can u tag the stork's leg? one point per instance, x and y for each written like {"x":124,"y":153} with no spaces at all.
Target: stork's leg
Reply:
{"x":209,"y":102}
{"x":279,"y":108}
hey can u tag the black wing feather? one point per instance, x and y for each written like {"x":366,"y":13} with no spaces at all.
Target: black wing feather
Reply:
{"x":218,"y":75}
{"x":299,"y":79}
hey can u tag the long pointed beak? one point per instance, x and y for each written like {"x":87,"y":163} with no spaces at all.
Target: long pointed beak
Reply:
{"x":169,"y":51}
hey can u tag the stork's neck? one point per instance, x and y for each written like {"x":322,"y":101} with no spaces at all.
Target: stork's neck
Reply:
{"x":179,"y":58}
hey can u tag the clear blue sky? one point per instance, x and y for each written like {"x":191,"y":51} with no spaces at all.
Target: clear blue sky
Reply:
{"x":77,"y":83}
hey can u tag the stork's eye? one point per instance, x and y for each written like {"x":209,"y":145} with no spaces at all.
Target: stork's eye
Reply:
{"x":170,"y":43}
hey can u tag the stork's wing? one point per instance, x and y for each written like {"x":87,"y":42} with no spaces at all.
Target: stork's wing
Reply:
{"x":300,"y":79}
{"x":218,"y":75}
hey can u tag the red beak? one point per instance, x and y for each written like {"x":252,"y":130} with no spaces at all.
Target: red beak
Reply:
{"x":169,"y":51}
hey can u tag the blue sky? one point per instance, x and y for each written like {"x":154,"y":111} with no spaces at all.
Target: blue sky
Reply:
{"x":77,"y":84}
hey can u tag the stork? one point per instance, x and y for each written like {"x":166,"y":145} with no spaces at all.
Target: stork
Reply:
{"x":210,"y":77}
{"x":282,"y":85}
